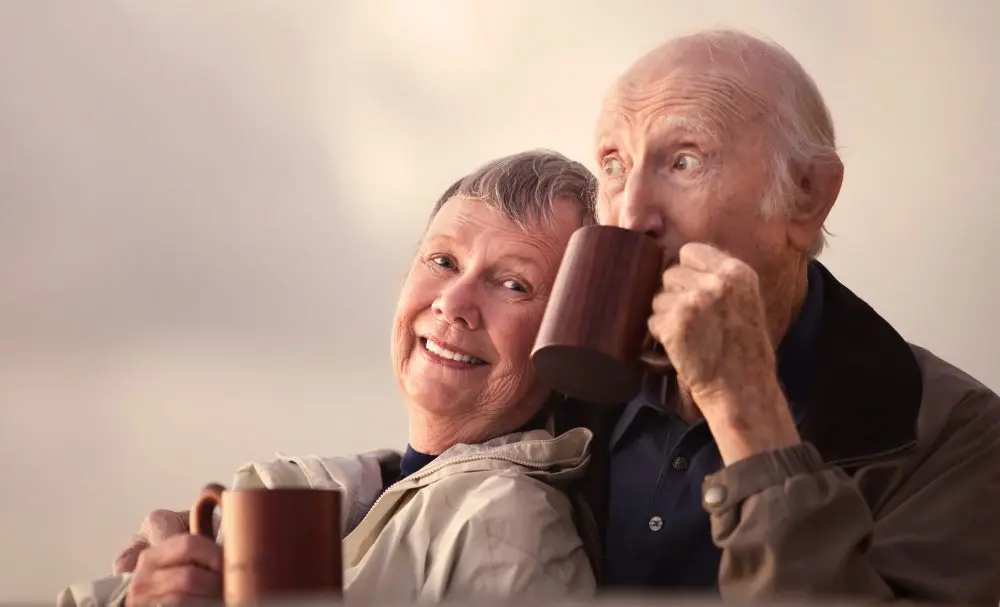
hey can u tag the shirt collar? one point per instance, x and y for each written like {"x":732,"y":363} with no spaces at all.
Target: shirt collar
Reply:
{"x":412,"y":461}
{"x":796,"y":360}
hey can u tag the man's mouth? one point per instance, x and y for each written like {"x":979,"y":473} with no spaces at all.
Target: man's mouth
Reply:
{"x":444,"y":352}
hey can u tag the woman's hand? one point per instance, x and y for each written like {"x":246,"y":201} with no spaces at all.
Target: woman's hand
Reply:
{"x":180,"y":567}
{"x":157,"y":527}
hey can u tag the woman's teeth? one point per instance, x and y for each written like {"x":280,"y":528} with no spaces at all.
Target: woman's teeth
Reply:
{"x":445,"y":353}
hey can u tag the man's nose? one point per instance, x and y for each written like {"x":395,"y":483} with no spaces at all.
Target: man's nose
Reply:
{"x":457,"y":304}
{"x":641,"y":209}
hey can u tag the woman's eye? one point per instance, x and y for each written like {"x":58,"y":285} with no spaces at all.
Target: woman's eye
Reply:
{"x":514,"y":285}
{"x":686,"y":162}
{"x":613,"y":167}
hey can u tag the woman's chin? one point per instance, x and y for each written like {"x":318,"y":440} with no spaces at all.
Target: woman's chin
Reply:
{"x":437,"y":389}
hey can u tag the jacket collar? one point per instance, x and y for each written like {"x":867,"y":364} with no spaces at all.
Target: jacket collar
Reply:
{"x":536,"y":452}
{"x":867,"y":385}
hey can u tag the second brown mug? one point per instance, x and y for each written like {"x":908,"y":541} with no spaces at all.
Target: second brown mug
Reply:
{"x":277,"y":543}
{"x":593,"y":343}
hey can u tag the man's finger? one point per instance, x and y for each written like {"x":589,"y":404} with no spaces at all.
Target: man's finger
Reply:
{"x":185,"y":549}
{"x":680,"y":280}
{"x":702,"y":257}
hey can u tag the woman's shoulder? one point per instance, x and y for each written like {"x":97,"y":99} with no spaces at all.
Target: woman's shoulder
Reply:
{"x":501,"y":494}
{"x":535,"y":455}
{"x":517,"y":482}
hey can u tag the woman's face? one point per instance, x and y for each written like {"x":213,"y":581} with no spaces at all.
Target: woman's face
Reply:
{"x":470,"y":309}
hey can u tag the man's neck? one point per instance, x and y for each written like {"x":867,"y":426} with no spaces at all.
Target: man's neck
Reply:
{"x":784,"y":297}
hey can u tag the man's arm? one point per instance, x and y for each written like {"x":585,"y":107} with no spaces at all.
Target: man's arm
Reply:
{"x":789,"y":524}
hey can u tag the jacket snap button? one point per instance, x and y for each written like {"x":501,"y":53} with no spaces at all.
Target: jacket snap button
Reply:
{"x":679,"y":463}
{"x":715,"y":495}
{"x":656,"y":523}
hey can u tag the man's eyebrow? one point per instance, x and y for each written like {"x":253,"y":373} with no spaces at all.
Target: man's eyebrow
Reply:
{"x":692,"y":124}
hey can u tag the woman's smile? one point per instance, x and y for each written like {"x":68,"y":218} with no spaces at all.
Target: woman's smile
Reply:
{"x":449,"y":356}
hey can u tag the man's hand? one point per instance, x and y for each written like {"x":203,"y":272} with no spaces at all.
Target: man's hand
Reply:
{"x":710,"y":319}
{"x":181,"y":567}
{"x":158,"y":526}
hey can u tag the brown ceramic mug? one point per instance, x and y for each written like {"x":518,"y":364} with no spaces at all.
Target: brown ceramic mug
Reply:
{"x":277,"y":543}
{"x":593,"y":344}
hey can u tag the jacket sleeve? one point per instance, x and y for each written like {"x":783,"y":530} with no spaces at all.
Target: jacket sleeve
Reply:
{"x":358,"y":477}
{"x":106,"y":592}
{"x":521,"y":542}
{"x":788,"y":524}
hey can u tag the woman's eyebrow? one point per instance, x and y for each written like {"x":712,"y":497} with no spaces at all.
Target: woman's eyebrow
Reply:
{"x":519,"y":260}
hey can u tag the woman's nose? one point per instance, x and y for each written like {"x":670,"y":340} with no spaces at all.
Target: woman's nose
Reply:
{"x":456,"y":304}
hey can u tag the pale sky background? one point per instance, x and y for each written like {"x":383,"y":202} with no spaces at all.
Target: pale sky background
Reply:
{"x":206,"y":209}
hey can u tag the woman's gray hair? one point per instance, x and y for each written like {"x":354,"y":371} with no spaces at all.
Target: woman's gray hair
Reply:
{"x":524,"y":187}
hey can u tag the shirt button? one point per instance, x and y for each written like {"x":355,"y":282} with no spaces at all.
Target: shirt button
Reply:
{"x":679,"y":463}
{"x":655,"y":523}
{"x":715,"y":495}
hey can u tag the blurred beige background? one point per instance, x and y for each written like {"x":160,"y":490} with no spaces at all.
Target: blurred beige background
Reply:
{"x":206,"y":209}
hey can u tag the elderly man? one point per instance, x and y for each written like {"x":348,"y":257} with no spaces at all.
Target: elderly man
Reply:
{"x":801,"y":446}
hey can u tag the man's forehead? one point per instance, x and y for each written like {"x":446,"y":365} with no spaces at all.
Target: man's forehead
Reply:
{"x":704,"y":97}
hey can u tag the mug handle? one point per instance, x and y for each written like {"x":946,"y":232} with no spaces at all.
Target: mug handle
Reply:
{"x":204,"y":510}
{"x":653,"y":359}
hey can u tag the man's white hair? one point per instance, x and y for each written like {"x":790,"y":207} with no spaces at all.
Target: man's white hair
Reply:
{"x":802,"y":133}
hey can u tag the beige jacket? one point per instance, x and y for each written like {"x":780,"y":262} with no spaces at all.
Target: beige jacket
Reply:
{"x":485,"y":520}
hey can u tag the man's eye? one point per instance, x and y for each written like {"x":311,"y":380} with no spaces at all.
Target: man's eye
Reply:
{"x":514,"y":285}
{"x":613,"y":167}
{"x":686,"y":162}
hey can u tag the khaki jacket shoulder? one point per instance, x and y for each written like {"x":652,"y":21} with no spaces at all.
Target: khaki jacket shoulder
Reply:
{"x":486,"y":521}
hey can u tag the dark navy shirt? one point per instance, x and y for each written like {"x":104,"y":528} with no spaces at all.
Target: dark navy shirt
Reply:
{"x":658,"y":530}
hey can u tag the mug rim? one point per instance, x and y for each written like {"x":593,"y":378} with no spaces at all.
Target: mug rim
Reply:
{"x":310,"y":490}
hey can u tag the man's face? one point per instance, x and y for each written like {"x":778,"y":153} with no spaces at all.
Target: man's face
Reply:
{"x":682,"y":155}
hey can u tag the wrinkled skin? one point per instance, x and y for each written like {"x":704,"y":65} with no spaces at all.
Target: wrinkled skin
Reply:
{"x":168,"y":563}
{"x":684,"y":143}
{"x":479,"y":284}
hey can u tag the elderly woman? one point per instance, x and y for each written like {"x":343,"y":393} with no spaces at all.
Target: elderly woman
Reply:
{"x":474,"y":507}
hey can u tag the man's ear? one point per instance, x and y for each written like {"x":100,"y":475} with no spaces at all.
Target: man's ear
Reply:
{"x":819,"y":187}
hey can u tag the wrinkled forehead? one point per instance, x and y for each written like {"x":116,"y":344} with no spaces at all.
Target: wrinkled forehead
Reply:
{"x":693,"y":88}
{"x":710,"y":102}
